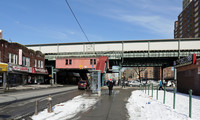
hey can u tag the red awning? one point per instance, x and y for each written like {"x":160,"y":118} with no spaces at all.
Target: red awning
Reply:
{"x":101,"y":64}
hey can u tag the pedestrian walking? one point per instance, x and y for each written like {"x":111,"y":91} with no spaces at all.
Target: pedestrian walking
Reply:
{"x":161,"y":84}
{"x":123,"y":83}
{"x":110,"y":86}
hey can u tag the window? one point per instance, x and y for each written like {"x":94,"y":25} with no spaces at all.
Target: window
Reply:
{"x":94,"y":61}
{"x":24,"y":61}
{"x":42,"y":64}
{"x":66,"y":61}
{"x":35,"y":63}
{"x":12,"y":58}
{"x":91,"y":61}
{"x":9,"y":54}
{"x":16,"y":57}
{"x":38,"y":63}
{"x":70,"y":61}
{"x":28,"y":62}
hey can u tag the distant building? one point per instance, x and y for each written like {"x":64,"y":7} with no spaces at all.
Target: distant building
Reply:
{"x":1,"y":32}
{"x":24,"y":66}
{"x":188,"y":24}
{"x":154,"y":73}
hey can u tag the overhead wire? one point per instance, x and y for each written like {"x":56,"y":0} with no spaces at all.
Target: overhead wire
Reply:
{"x":77,"y":20}
{"x":79,"y":25}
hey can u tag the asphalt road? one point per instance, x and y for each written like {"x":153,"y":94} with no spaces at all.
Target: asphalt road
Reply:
{"x":19,"y":105}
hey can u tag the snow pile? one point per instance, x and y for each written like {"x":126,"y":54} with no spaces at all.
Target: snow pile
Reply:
{"x":140,"y":106}
{"x":67,"y":109}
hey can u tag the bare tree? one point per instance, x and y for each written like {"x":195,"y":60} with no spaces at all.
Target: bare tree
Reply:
{"x":138,"y":71}
{"x":128,"y":73}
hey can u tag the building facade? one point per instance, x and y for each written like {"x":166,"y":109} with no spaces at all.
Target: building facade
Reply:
{"x":188,"y":24}
{"x":188,"y":77}
{"x":25,"y":66}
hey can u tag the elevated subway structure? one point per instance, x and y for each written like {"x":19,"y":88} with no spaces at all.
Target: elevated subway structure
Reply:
{"x":126,"y":53}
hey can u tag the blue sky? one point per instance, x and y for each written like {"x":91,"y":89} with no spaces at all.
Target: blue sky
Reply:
{"x":50,"y":21}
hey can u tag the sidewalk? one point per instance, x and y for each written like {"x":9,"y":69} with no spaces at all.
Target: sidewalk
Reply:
{"x":109,"y":107}
{"x":27,"y":87}
{"x":18,"y":96}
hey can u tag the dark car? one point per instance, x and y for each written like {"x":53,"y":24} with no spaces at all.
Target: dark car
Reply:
{"x":83,"y":84}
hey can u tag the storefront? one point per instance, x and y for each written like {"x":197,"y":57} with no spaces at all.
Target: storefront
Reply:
{"x":3,"y":71}
{"x":38,"y":74}
{"x":188,"y":75}
{"x":18,"y":75}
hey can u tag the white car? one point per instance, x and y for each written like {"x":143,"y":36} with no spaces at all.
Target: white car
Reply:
{"x":134,"y":83}
{"x":154,"y":82}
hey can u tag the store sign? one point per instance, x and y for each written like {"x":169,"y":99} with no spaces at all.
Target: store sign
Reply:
{"x":20,"y":68}
{"x":190,"y":58}
{"x":39,"y":70}
{"x":3,"y":67}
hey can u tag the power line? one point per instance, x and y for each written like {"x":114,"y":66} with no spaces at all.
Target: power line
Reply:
{"x":77,"y":20}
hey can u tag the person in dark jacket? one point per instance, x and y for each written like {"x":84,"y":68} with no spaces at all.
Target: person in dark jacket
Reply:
{"x":110,"y":86}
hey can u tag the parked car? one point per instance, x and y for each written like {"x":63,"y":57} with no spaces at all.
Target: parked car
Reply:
{"x":134,"y":83}
{"x":83,"y":84}
{"x":154,"y":82}
{"x":170,"y":84}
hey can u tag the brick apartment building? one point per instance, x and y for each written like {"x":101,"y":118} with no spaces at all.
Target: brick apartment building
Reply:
{"x":150,"y":73}
{"x":154,"y":73}
{"x":24,"y":66}
{"x":188,"y":24}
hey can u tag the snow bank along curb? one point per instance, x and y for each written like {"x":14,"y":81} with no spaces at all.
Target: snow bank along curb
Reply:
{"x":67,"y":109}
{"x":142,"y":106}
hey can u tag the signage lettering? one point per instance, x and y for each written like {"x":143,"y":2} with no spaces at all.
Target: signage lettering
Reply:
{"x":190,"y":58}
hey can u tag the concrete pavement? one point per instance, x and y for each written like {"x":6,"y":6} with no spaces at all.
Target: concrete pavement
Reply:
{"x":17,"y":96}
{"x":109,"y":107}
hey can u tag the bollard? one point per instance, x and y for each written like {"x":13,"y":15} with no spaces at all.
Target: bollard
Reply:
{"x":142,"y":88}
{"x":145,"y":88}
{"x":190,"y":103}
{"x":152,"y":90}
{"x":164,"y":95}
{"x":36,"y":107}
{"x":174,"y":101}
{"x":49,"y":106}
{"x":157,"y":93}
{"x":148,"y":88}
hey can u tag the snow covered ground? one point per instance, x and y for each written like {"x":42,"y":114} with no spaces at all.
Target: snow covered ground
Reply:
{"x":68,"y":109}
{"x":140,"y":106}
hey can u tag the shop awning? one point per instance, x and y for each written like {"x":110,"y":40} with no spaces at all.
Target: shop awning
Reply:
{"x":3,"y":67}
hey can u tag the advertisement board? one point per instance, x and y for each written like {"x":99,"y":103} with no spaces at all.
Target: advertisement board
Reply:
{"x":20,"y":56}
{"x":3,"y":67}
